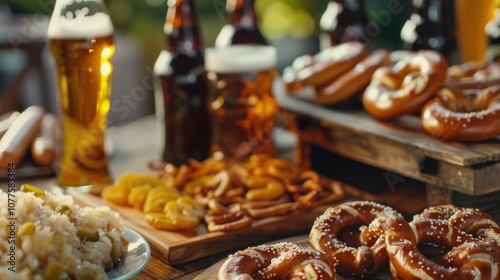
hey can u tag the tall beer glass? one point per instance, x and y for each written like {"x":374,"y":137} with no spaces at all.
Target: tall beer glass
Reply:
{"x":471,"y":18}
{"x":81,"y":41}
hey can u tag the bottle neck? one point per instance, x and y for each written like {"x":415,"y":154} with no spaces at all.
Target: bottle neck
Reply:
{"x":353,"y":5}
{"x":242,"y":12}
{"x":181,"y":27}
{"x":435,"y":11}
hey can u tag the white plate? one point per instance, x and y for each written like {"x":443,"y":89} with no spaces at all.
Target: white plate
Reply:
{"x":136,"y":258}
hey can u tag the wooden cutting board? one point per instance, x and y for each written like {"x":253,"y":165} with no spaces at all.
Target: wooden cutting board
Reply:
{"x":182,"y":246}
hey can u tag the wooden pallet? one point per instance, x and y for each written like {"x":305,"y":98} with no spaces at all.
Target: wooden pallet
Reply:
{"x":400,"y":146}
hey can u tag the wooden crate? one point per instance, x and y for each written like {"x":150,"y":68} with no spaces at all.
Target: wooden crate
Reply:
{"x":401,"y":147}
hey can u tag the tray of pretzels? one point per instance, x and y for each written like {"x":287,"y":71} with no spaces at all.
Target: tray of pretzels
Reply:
{"x":363,"y":239}
{"x":454,"y":102}
{"x":409,"y":113}
{"x":203,"y":208}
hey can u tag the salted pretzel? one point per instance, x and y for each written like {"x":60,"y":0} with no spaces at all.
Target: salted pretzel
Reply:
{"x":349,"y":261}
{"x":465,"y":70}
{"x":283,"y":260}
{"x":404,"y":87}
{"x":310,"y":190}
{"x":492,"y":72}
{"x":274,"y":210}
{"x":477,"y":260}
{"x":323,"y":67}
{"x":473,"y":75}
{"x":456,"y":115}
{"x":353,"y":81}
{"x":228,"y":221}
{"x":473,"y":70}
{"x":335,"y":192}
{"x":469,"y":220}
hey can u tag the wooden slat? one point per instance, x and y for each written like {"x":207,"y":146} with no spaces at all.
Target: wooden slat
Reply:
{"x":406,"y":131}
{"x":384,"y":153}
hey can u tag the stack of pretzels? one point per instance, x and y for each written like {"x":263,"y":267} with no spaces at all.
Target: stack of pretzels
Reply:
{"x":460,"y":102}
{"x":442,"y":242}
{"x":361,"y":239}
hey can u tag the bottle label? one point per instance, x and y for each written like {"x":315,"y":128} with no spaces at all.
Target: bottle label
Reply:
{"x":493,"y":53}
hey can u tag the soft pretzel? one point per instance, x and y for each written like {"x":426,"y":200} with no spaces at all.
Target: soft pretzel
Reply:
{"x":274,"y":210}
{"x":479,"y":79}
{"x":477,"y":260}
{"x":404,"y":87}
{"x":324,"y":66}
{"x":283,"y":260}
{"x":465,"y":70}
{"x":469,"y":220}
{"x":228,"y":222}
{"x":455,"y":115}
{"x":310,"y":190}
{"x":353,"y":81}
{"x":473,"y":75}
{"x":365,"y":259}
{"x":290,"y":73}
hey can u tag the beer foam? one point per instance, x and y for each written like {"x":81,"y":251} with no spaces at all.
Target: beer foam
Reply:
{"x":69,"y":27}
{"x":240,"y":58}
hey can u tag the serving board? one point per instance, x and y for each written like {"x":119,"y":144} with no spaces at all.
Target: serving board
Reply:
{"x":183,"y":246}
{"x":400,"y":146}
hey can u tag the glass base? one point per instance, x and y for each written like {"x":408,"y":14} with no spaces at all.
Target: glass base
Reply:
{"x":94,"y":189}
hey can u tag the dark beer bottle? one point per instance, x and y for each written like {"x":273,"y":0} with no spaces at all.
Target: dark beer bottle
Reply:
{"x":343,"y":21}
{"x":242,"y":27}
{"x":492,"y":30}
{"x":181,"y":92}
{"x":430,"y":27}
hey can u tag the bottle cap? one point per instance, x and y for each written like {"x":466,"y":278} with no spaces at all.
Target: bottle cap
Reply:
{"x":240,"y":58}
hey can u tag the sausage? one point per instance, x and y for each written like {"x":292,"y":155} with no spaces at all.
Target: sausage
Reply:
{"x":43,"y":148}
{"x":6,"y":121}
{"x":15,"y":143}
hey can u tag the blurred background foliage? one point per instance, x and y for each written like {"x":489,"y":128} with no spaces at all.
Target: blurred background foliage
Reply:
{"x":281,"y":21}
{"x":292,"y":26}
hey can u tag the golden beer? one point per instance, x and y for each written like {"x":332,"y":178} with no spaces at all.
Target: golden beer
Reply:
{"x":243,"y":106}
{"x":471,"y":18}
{"x":82,"y":56}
